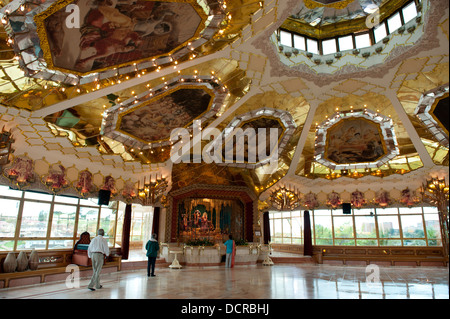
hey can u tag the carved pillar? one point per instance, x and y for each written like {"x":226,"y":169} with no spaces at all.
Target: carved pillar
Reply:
{"x":126,"y":232}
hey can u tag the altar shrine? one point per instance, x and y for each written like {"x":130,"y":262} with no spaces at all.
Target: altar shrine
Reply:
{"x":208,"y":213}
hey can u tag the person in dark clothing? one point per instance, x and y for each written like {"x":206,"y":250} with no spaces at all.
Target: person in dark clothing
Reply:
{"x":152,"y":248}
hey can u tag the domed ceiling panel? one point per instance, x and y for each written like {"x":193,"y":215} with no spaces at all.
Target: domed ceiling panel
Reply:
{"x":148,"y":120}
{"x":355,"y":139}
{"x":81,"y":41}
{"x":113,"y":34}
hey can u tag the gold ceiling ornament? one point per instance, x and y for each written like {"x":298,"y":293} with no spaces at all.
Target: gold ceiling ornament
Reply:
{"x":6,"y":150}
{"x":285,"y":199}
{"x":85,"y":185}
{"x":383,"y":199}
{"x":408,"y":198}
{"x":21,"y":173}
{"x":339,"y":5}
{"x":436,"y":192}
{"x":334,"y":200}
{"x":152,"y":191}
{"x":56,"y":180}
{"x":129,"y":192}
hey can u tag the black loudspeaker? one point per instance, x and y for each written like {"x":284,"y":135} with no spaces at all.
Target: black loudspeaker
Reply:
{"x":103,"y":197}
{"x":347,"y":208}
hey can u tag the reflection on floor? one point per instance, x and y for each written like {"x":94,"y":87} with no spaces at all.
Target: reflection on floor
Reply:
{"x":283,"y":281}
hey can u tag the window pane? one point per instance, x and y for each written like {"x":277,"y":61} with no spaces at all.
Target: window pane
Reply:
{"x":329,"y":46}
{"x":362,"y":41}
{"x":344,"y":242}
{"x":312,"y":46}
{"x":39,"y":196}
{"x":299,"y":42}
{"x":286,"y":38}
{"x":433,"y":229}
{"x":322,"y":227}
{"x":34,"y":219}
{"x":277,"y":240}
{"x":380,"y":32}
{"x":6,"y":191}
{"x":367,"y":242}
{"x":89,"y":202}
{"x":87,"y":221}
{"x":6,"y":245}
{"x":388,"y":227}
{"x":296,"y":213}
{"x":365,"y":227}
{"x":382,"y":211}
{"x":412,"y":226}
{"x":66,"y":199}
{"x":277,"y":232}
{"x":30,"y":244}
{"x":394,"y":22}
{"x":60,"y":244}
{"x":343,"y":227}
{"x":409,"y":211}
{"x":430,"y":210}
{"x":389,"y":242}
{"x":63,"y":222}
{"x":346,"y":43}
{"x":414,"y":242}
{"x":297,"y":227}
{"x":409,"y":12}
{"x":363,"y":211}
{"x":107,"y":222}
{"x":8,"y":217}
{"x":287,"y":232}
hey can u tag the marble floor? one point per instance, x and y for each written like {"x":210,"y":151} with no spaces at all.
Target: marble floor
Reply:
{"x":283,"y":281}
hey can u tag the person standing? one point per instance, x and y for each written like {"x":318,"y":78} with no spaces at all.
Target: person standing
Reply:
{"x":229,"y":261}
{"x":152,"y":248}
{"x":98,"y":249}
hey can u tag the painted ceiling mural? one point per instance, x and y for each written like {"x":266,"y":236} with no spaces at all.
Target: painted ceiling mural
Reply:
{"x":156,"y":120}
{"x":112,"y":33}
{"x":354,"y":141}
{"x":103,"y":96}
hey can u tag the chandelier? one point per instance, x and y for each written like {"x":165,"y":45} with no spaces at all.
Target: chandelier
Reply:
{"x":152,"y":191}
{"x":285,"y":199}
{"x":435,"y":192}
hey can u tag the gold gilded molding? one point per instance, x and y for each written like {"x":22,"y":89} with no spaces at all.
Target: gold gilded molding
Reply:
{"x":40,"y":18}
{"x":339,"y":5}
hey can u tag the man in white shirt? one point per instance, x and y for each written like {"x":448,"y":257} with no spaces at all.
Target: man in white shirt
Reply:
{"x":97,"y":250}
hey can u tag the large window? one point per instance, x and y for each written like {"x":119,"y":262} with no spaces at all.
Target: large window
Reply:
{"x":417,"y":226}
{"x":286,"y":227}
{"x":43,"y":221}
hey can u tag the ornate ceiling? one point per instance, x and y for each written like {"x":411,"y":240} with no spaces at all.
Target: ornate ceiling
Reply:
{"x":104,"y":95}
